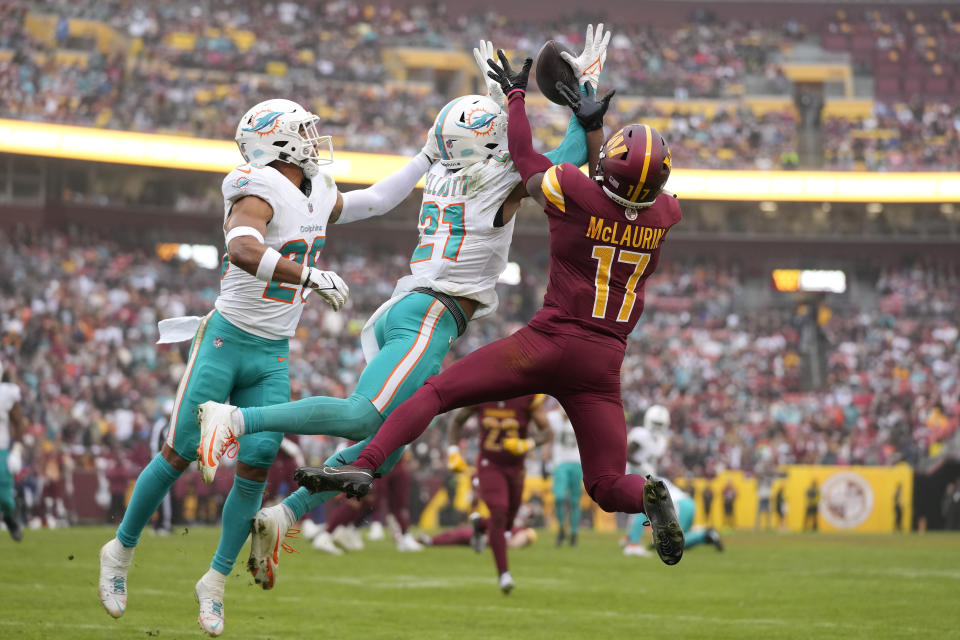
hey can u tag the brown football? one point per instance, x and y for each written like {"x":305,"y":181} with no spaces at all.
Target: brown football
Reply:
{"x":551,"y":68}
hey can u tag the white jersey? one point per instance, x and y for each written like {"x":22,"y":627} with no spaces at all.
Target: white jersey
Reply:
{"x":461,"y":252}
{"x":564,"y":439}
{"x":651,"y":447}
{"x":297,"y":230}
{"x":9,"y":396}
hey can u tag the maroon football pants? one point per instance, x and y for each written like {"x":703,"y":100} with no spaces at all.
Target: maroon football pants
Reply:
{"x":583,"y":375}
{"x":501,"y":488}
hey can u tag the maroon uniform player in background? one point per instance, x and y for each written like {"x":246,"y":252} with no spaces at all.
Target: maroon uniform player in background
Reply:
{"x":504,"y":443}
{"x":606,"y":234}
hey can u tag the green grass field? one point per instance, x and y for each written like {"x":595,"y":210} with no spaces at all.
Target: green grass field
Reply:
{"x":763,"y":586}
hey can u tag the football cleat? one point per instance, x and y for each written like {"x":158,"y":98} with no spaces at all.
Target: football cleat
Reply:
{"x":347,"y":538}
{"x":666,"y":530}
{"x":506,"y":583}
{"x":636,"y":550}
{"x":267,"y":532}
{"x":354,"y":482}
{"x":216,"y":437}
{"x":713,"y":537}
{"x":408,"y":543}
{"x":211,"y":614}
{"x":376,"y":531}
{"x":323,"y":541}
{"x":561,"y":536}
{"x":13,"y":526}
{"x":112,"y":586}
{"x":573,"y":539}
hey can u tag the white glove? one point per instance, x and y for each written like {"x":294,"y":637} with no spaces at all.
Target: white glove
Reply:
{"x":430,"y":148}
{"x":588,"y":64}
{"x":328,"y":286}
{"x":481,"y":54}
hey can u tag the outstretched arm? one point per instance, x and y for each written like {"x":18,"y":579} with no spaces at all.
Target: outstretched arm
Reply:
{"x":385,"y":195}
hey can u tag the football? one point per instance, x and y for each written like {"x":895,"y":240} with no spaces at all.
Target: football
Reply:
{"x":551,"y":68}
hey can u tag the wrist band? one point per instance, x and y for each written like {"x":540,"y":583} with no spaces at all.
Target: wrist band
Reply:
{"x":452,"y":449}
{"x":268,"y":263}
{"x":304,"y":274}
{"x":523,"y":92}
{"x":237,"y":232}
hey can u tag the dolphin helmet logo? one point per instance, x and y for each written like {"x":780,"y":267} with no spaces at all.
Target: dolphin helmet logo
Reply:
{"x":263,"y":122}
{"x":479,"y":121}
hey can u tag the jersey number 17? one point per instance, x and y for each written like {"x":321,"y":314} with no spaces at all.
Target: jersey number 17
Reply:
{"x":604,"y":255}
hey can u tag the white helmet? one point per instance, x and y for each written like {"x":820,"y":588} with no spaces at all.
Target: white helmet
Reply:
{"x":468,"y":130}
{"x":657,"y":419}
{"x":282,"y":130}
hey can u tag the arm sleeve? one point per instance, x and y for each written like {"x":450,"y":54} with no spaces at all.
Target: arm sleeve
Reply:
{"x":379,"y":198}
{"x":573,"y":148}
{"x":520,"y":139}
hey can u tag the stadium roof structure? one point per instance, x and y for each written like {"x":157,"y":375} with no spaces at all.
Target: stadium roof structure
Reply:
{"x":187,"y":153}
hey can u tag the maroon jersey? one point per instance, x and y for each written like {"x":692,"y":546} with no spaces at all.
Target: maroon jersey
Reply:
{"x":599,"y":260}
{"x":504,"y":419}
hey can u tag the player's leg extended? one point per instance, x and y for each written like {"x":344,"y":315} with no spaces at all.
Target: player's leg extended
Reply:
{"x":8,"y":504}
{"x":495,"y":493}
{"x":255,"y":455}
{"x":598,"y":422}
{"x":208,"y":375}
{"x":507,"y":368}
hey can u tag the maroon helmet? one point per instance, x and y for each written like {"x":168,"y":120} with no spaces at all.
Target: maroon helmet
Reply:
{"x":634,"y":165}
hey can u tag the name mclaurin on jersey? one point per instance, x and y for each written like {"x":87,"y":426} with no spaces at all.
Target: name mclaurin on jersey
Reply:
{"x":631,"y":235}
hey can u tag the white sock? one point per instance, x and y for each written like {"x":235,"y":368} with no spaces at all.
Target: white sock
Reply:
{"x":215,"y":579}
{"x":237,"y":425}
{"x":121,"y":553}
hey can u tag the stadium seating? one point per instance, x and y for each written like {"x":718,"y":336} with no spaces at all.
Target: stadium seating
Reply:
{"x":177,"y":68}
{"x":84,"y":343}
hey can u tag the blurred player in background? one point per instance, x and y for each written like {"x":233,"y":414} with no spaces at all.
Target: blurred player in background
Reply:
{"x":504,"y":444}
{"x":470,"y":200}
{"x":475,"y":535}
{"x":645,"y":446}
{"x":567,"y":476}
{"x":12,"y":422}
{"x":276,"y":211}
{"x":605,"y":240}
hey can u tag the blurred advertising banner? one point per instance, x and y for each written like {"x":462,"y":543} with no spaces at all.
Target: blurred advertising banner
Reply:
{"x":807,"y":498}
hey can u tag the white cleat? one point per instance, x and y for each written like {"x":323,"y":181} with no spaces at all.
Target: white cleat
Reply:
{"x":408,"y":543}
{"x":324,"y":542}
{"x":216,"y":436}
{"x":112,"y":586}
{"x":636,"y":550}
{"x":376,"y":531}
{"x":267,"y":531}
{"x":310,"y":529}
{"x":348,"y":539}
{"x":210,"y":600}
{"x":506,"y":583}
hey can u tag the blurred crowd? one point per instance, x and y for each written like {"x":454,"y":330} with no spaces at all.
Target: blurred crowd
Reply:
{"x":78,"y":320}
{"x":194,"y":67}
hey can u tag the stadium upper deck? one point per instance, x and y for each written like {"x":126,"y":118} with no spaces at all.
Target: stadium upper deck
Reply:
{"x":723,"y":84}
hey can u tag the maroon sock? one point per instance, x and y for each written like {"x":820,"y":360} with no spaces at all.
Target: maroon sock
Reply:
{"x":343,"y":515}
{"x":496,"y":538}
{"x":460,"y":536}
{"x":404,"y":425}
{"x":618,"y":493}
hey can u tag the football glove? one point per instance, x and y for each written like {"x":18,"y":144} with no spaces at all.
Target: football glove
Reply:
{"x":508,"y":79}
{"x":518,"y":446}
{"x":431,"y":148}
{"x":481,"y":54}
{"x":588,"y":64}
{"x":455,"y":461}
{"x":588,"y":110}
{"x":328,"y":286}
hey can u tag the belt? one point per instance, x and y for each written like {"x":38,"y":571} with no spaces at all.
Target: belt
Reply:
{"x":451,"y":306}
